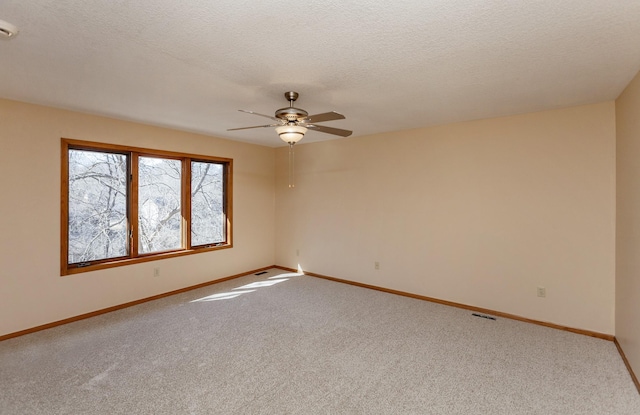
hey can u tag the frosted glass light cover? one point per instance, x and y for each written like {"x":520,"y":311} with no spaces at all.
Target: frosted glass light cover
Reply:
{"x":291,"y":133}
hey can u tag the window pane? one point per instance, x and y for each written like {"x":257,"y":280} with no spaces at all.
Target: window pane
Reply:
{"x":159,"y":204}
{"x":97,"y":206}
{"x":207,"y":203}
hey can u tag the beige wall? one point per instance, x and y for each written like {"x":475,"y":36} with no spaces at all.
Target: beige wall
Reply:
{"x":479,"y":213}
{"x":31,"y":290}
{"x":628,"y":223}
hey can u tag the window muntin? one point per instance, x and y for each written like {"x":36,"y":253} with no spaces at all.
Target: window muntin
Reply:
{"x":123,"y":205}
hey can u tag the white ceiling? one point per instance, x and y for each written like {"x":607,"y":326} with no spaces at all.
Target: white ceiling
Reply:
{"x":386,"y":65}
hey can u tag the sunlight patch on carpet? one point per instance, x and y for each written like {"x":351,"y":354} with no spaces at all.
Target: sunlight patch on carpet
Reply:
{"x":222,"y":296}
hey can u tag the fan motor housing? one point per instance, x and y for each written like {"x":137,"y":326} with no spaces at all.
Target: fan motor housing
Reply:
{"x":291,"y":114}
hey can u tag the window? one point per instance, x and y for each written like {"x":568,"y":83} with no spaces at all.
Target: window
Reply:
{"x":123,"y":205}
{"x":159,"y":204}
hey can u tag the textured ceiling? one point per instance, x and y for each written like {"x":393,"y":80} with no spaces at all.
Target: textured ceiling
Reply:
{"x":385,"y":65}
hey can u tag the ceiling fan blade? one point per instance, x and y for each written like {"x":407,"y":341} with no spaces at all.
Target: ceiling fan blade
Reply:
{"x":262,"y":115}
{"x":329,"y":130}
{"x":255,"y":126}
{"x":325,"y":116}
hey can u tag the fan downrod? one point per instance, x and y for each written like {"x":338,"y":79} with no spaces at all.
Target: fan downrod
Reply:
{"x":291,"y":96}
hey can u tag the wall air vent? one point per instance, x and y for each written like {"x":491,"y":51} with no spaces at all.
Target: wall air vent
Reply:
{"x":483,"y":316}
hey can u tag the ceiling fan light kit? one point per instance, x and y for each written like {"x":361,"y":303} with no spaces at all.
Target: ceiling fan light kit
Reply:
{"x":293,"y":123}
{"x":291,"y":134}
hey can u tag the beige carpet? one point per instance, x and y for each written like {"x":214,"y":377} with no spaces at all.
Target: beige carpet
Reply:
{"x":281,"y":343}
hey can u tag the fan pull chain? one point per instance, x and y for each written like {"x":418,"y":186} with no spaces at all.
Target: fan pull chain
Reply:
{"x":291,"y":166}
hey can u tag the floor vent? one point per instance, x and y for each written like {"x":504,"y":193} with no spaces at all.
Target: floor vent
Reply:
{"x":483,"y":316}
{"x":260,"y":273}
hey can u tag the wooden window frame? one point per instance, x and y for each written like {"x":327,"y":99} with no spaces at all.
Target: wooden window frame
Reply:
{"x":132,"y":204}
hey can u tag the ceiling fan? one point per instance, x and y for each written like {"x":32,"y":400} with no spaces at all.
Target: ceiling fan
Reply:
{"x":292,"y":123}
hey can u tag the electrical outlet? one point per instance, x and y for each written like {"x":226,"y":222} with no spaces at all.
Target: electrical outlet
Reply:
{"x":542,"y":292}
{"x":376,"y":265}
{"x":297,"y":252}
{"x":156,"y":272}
